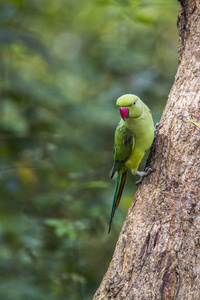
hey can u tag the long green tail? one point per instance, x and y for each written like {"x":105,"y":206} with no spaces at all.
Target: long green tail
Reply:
{"x":121,"y":178}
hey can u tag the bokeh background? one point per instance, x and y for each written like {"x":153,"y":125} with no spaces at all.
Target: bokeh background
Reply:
{"x":63,"y":64}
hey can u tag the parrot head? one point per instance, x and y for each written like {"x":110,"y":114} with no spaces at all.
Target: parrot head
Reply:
{"x":130,"y":106}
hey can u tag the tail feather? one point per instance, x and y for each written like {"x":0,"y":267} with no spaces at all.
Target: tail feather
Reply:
{"x":121,"y":178}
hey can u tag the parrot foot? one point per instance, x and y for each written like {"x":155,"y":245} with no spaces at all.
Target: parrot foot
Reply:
{"x":145,"y":173}
{"x":158,"y":126}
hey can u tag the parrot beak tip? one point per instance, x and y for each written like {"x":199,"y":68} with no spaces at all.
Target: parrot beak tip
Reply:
{"x":124,"y":112}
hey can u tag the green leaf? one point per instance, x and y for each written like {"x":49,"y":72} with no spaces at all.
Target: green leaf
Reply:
{"x":65,"y":227}
{"x":196,"y":124}
{"x":96,"y":184}
{"x":20,"y":3}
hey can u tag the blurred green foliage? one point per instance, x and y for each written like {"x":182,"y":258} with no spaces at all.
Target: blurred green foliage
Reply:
{"x":63,"y":65}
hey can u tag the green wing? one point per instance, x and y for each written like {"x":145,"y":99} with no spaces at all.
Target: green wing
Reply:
{"x":124,"y":141}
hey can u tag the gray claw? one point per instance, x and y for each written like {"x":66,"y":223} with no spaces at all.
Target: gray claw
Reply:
{"x":145,"y":173}
{"x":158,"y":126}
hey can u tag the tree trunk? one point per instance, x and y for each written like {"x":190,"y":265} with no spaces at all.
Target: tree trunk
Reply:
{"x":157,"y":255}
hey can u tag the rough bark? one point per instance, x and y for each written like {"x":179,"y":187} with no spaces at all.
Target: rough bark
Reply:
{"x":157,"y":255}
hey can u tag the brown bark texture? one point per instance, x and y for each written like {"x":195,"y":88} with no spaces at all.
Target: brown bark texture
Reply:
{"x":157,"y":255}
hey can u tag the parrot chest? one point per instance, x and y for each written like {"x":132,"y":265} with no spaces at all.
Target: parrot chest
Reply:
{"x":143,"y":132}
{"x":143,"y":135}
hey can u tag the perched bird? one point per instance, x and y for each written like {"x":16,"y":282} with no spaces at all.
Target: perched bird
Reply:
{"x":133,"y":137}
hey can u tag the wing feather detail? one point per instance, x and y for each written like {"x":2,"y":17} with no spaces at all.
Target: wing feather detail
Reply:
{"x":124,"y":142}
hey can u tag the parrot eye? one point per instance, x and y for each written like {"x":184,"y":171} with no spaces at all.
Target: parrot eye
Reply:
{"x":133,"y":103}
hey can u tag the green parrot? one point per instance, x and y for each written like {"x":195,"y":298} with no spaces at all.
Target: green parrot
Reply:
{"x":133,"y":137}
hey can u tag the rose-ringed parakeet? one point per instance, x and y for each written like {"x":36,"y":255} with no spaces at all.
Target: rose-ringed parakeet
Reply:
{"x":133,"y":137}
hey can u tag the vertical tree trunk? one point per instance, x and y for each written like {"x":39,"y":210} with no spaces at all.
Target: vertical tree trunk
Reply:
{"x":157,"y":255}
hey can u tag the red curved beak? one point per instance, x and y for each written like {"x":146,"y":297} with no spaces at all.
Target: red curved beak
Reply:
{"x":124,"y":112}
